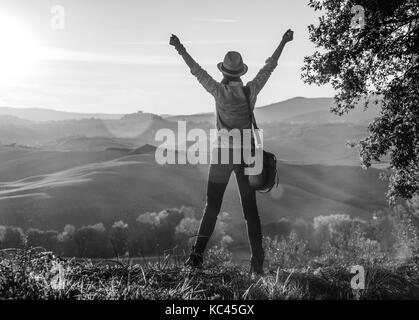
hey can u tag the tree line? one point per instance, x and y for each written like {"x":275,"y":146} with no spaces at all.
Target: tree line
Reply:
{"x":393,"y":232}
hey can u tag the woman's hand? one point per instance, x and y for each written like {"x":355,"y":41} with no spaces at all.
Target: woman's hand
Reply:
{"x":288,"y":36}
{"x":174,"y":41}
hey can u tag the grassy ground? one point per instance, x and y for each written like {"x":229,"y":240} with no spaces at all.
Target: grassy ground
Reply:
{"x":40,"y":275}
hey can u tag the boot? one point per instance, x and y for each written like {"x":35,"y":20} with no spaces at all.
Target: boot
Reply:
{"x":256,"y":267}
{"x":195,"y":260}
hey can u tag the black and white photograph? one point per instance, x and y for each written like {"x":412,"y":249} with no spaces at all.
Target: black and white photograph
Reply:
{"x":178,"y":152}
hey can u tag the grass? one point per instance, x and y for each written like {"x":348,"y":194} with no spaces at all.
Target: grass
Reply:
{"x":32,"y":274}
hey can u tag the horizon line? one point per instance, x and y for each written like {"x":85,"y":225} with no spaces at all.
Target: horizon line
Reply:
{"x":159,"y":114}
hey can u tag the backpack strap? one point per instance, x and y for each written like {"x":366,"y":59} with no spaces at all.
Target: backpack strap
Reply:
{"x":246,"y":91}
{"x":252,"y":118}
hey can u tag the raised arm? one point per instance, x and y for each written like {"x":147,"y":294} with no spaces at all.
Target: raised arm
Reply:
{"x":287,"y":37}
{"x":203,"y":77}
{"x":263,"y":75}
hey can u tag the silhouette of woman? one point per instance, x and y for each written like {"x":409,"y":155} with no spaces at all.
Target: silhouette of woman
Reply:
{"x":232,"y":112}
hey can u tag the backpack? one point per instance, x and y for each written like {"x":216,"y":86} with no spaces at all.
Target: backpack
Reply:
{"x":268,"y":178}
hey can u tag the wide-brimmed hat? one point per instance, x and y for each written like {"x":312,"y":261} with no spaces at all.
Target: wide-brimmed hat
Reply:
{"x":233,"y":65}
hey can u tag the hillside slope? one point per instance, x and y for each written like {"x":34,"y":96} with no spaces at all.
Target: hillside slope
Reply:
{"x":39,"y":189}
{"x":139,"y":128}
{"x":40,"y":114}
{"x":298,"y":109}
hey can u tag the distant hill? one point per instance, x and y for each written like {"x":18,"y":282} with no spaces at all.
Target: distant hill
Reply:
{"x":308,"y":133}
{"x":135,"y":129}
{"x":299,"y":142}
{"x":8,"y":120}
{"x":83,"y":143}
{"x":145,"y":149}
{"x":39,"y":188}
{"x":39,"y":114}
{"x":83,"y":171}
{"x":298,"y":109}
{"x":198,"y":117}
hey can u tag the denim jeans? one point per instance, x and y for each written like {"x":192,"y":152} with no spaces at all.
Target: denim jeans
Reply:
{"x":218,"y":177}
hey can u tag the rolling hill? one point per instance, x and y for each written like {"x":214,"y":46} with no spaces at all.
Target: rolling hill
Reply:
{"x":298,"y":109}
{"x":138,"y":128}
{"x":48,"y":189}
{"x":85,"y":171}
{"x":43,"y":115}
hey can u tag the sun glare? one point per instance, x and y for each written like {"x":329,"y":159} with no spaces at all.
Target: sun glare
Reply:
{"x":17,"y":48}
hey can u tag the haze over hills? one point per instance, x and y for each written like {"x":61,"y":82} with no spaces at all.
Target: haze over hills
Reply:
{"x":40,"y":114}
{"x":137,"y":129}
{"x":301,"y":143}
{"x":89,"y":170}
{"x":299,"y":129}
{"x":48,"y":189}
{"x":299,"y":109}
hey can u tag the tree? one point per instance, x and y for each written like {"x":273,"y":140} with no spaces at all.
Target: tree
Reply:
{"x":92,"y":241}
{"x":39,"y":238}
{"x":119,"y":237}
{"x":11,"y":237}
{"x":280,"y":229}
{"x":66,"y":244}
{"x":370,"y":50}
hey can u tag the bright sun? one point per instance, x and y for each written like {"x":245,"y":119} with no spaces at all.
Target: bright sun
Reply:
{"x":17,"y":48}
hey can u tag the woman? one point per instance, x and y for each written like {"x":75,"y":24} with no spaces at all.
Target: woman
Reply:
{"x":232,"y":112}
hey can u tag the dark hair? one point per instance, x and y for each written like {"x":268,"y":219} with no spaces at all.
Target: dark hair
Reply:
{"x":227,"y":79}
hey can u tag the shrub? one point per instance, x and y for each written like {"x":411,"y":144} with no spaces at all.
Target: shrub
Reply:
{"x":351,"y":249}
{"x":344,"y":240}
{"x":155,"y":232}
{"x":186,"y":230}
{"x":45,"y":239}
{"x":93,"y":242}
{"x":66,"y":243}
{"x":335,"y":228}
{"x":287,"y":252}
{"x":217,"y":256}
{"x":406,"y":235}
{"x":119,"y":238}
{"x":11,"y":237}
{"x":281,"y":228}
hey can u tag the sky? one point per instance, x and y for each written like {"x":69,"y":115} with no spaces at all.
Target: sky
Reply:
{"x":113,"y":56}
